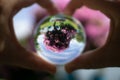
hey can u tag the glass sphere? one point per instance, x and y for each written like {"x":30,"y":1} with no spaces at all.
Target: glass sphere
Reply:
{"x":59,"y":39}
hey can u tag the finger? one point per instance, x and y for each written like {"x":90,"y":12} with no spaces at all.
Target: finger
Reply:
{"x":14,"y":58}
{"x":106,"y":56}
{"x":108,"y":7}
{"x":16,"y":5}
{"x":72,"y":6}
{"x":91,"y":60}
{"x":6,"y":15}
{"x":9,"y":9}
{"x":18,"y":56}
{"x":49,"y":6}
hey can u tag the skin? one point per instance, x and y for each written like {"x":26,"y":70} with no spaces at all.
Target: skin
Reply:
{"x":11,"y":52}
{"x":109,"y":54}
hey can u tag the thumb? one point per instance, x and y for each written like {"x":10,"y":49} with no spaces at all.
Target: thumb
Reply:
{"x":89,"y":60}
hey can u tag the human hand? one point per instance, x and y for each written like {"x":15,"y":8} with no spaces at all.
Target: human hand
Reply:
{"x":108,"y":55}
{"x":11,"y":52}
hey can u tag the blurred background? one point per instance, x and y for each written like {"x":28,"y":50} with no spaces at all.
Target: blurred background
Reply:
{"x":96,"y":26}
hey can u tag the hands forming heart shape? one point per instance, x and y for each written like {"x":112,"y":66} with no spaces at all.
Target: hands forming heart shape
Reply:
{"x":12,"y":53}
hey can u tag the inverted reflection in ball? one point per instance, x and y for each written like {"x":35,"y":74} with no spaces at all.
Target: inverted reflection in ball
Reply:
{"x":59,"y":39}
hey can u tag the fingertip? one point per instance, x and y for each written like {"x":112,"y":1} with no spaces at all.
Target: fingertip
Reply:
{"x":69,"y":68}
{"x":68,"y":12}
{"x":88,"y":60}
{"x":31,"y":60}
{"x":74,"y":65}
{"x":72,"y":6}
{"x":51,"y":69}
{"x":43,"y":65}
{"x":53,"y":11}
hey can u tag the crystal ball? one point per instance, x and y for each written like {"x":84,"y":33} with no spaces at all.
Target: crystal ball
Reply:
{"x":59,"y":39}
